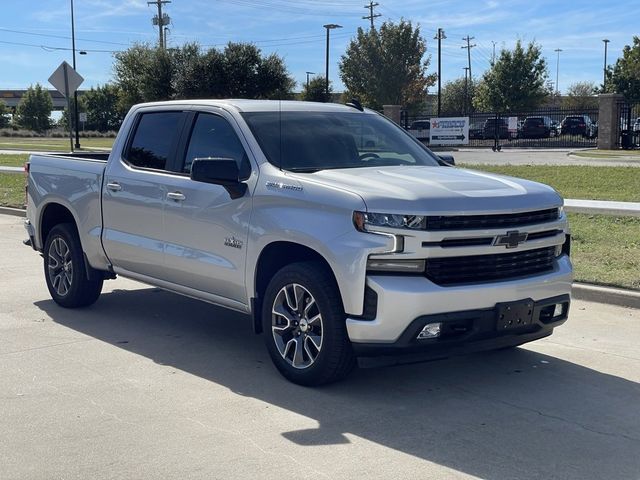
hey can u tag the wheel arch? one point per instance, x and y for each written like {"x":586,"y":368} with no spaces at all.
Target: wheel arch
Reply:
{"x":54,"y":214}
{"x":273,"y":257}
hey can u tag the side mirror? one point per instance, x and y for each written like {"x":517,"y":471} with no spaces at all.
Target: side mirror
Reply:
{"x":219,"y":171}
{"x":448,"y":159}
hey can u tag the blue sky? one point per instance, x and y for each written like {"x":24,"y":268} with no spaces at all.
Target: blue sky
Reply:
{"x":35,"y":35}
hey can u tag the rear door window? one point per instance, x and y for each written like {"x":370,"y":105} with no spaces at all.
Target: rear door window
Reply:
{"x":154,"y":140}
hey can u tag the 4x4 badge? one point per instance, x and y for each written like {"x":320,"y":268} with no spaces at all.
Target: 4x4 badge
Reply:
{"x":512,"y":239}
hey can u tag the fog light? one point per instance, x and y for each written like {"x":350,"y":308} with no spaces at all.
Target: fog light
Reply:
{"x":558,"y":310}
{"x":430,"y":330}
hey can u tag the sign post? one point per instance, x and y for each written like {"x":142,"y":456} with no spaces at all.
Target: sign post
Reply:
{"x":66,"y":80}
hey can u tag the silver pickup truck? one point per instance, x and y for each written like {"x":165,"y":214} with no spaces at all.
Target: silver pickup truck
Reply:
{"x":338,"y":233}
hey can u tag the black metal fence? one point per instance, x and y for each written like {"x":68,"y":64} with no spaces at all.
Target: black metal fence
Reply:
{"x":543,"y":128}
{"x":629,"y":125}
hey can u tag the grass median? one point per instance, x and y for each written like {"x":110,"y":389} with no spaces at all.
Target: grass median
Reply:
{"x":605,"y":250}
{"x":49,"y":144}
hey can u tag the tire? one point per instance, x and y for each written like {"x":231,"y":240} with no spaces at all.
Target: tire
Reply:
{"x":304,"y":325}
{"x":65,"y":269}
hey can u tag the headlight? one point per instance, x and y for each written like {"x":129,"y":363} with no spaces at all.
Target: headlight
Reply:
{"x":364,"y":221}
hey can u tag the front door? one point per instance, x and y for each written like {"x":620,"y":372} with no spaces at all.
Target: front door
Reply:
{"x":205,"y":227}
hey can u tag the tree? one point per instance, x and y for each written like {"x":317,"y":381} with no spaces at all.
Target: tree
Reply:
{"x":144,"y":73}
{"x":387,"y":66}
{"x":316,"y":90}
{"x":457,"y":97}
{"x":624,"y":77}
{"x":516,"y":82}
{"x":4,"y":115}
{"x":101,"y":105}
{"x":580,"y":96}
{"x":34,"y":109}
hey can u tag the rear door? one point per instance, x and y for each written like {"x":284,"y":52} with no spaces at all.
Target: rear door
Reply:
{"x":134,"y":193}
{"x":205,"y":227}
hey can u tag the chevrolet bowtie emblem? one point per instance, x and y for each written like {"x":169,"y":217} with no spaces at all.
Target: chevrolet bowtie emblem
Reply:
{"x":512,"y":239}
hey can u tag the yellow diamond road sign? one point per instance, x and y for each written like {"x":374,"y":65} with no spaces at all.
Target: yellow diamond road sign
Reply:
{"x":66,"y":79}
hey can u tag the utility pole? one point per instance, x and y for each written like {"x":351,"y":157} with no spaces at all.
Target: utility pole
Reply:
{"x":371,"y":15}
{"x":166,"y":34}
{"x":439,"y":36}
{"x":309,"y":73}
{"x":466,"y":90}
{"x":468,"y":46}
{"x":557,"y":50}
{"x":160,"y":20}
{"x":604,"y":78}
{"x":75,"y":94}
{"x":493,"y":56}
{"x":329,"y":26}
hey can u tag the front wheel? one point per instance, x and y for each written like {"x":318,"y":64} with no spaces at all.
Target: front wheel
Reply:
{"x":65,"y":271}
{"x":304,"y":325}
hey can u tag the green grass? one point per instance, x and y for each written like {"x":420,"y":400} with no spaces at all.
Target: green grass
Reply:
{"x":46,"y":144}
{"x":606,"y":250}
{"x":581,"y":182}
{"x":17,"y":160}
{"x":12,"y":190}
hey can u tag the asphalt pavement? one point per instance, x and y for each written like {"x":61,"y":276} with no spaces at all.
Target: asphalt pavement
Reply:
{"x":148,"y":384}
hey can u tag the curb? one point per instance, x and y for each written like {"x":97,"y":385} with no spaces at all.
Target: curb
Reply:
{"x":17,"y":212}
{"x":580,"y":291}
{"x":613,"y":296}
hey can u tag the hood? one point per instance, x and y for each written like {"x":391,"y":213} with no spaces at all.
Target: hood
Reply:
{"x":438,"y":190}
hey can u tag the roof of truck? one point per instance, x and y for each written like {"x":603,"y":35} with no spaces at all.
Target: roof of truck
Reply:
{"x":243,"y":105}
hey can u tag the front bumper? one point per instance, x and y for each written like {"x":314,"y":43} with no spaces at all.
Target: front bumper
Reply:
{"x":404,"y":300}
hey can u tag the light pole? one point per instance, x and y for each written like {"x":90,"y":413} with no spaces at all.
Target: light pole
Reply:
{"x":557,"y":50}
{"x":309,"y":73}
{"x":75,"y":93}
{"x":440,"y":36}
{"x":604,"y":76}
{"x":329,"y":26}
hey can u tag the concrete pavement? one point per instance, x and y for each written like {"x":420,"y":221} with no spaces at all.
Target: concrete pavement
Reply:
{"x":541,"y":156}
{"x":147,"y":384}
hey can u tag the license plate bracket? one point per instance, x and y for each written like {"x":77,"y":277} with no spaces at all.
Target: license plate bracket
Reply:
{"x":513,"y":315}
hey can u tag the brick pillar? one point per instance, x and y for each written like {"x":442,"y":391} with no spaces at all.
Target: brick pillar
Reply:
{"x":392,"y":112}
{"x":608,"y":120}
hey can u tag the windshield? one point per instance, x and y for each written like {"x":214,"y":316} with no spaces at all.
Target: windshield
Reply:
{"x":310,"y":141}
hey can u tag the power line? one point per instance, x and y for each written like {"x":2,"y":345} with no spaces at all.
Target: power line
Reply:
{"x":371,"y":15}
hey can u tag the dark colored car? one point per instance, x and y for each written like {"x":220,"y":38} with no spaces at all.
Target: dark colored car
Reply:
{"x":495,"y":127}
{"x":579,"y":125}
{"x":476,"y":131}
{"x":536,"y":127}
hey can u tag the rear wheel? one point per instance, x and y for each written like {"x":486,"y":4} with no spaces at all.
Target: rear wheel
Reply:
{"x":304,"y":325}
{"x":65,"y":269}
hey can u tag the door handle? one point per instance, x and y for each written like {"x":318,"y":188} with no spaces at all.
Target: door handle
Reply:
{"x":177,"y":196}
{"x":114,"y":186}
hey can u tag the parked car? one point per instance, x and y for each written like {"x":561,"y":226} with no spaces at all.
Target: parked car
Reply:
{"x":536,"y":127}
{"x":476,"y":131}
{"x":555,"y":128}
{"x":579,"y":125}
{"x":420,"y":129}
{"x":496,"y":127}
{"x":272,"y":209}
{"x":636,"y":125}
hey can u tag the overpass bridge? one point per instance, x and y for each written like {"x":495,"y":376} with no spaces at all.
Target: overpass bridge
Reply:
{"x":12,"y":98}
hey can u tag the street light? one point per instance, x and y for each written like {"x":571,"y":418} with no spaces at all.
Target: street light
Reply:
{"x":329,"y":26}
{"x":309,"y":73}
{"x":75,"y":93}
{"x":557,"y":50}
{"x":604,"y":77}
